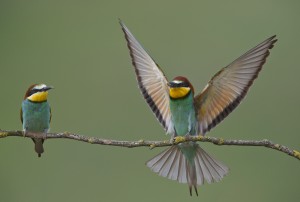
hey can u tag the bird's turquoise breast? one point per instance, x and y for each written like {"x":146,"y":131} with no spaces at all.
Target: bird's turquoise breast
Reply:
{"x":36,"y":116}
{"x":183,"y":115}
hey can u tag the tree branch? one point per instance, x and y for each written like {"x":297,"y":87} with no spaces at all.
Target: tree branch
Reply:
{"x":153,"y":144}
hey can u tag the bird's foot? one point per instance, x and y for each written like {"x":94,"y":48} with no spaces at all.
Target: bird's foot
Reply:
{"x":178,"y":139}
{"x":188,"y":135}
{"x":44,"y":136}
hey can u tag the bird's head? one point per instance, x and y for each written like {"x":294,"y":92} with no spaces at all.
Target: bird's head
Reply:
{"x":180,"y":87}
{"x":37,"y":92}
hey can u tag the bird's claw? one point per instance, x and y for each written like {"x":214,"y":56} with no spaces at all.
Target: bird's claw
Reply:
{"x":44,"y":136}
{"x":178,"y":139}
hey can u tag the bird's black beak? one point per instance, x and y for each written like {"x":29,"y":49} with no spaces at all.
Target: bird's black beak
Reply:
{"x":48,"y":88}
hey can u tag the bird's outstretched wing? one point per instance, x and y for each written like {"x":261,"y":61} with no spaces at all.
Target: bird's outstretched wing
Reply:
{"x":228,"y":87}
{"x":151,"y":80}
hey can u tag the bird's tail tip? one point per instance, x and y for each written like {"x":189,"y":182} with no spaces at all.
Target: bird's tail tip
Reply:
{"x":38,"y":146}
{"x":191,"y":190}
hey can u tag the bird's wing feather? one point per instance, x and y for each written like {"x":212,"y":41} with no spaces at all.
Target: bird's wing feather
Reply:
{"x":50,"y":115}
{"x":21,"y":115}
{"x":151,"y":80}
{"x":229,"y":86}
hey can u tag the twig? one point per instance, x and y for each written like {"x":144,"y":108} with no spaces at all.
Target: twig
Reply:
{"x":152,"y":144}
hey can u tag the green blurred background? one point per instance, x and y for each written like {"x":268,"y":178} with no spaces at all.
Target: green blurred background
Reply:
{"x":78,"y":47}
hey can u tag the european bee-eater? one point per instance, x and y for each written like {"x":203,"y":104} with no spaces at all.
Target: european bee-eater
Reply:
{"x":36,"y":113}
{"x":182,"y":113}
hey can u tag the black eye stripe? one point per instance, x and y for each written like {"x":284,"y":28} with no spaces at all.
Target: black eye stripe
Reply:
{"x":178,"y":85}
{"x":32,"y":91}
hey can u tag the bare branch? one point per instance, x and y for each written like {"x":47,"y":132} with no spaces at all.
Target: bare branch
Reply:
{"x":153,"y":144}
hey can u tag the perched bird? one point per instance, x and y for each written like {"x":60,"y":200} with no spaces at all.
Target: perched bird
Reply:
{"x":36,"y":113}
{"x":181,"y":112}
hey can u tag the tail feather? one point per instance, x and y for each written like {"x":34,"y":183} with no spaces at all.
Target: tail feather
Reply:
{"x":166,"y":166}
{"x":173,"y":164}
{"x":182,"y":171}
{"x":200,"y":178}
{"x":213,"y":170}
{"x":38,"y":146}
{"x":159,"y":161}
{"x":191,"y":177}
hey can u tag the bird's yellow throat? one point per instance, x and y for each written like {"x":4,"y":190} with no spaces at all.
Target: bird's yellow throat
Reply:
{"x":179,"y":92}
{"x":38,"y":97}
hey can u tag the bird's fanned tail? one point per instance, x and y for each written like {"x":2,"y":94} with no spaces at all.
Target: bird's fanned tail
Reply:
{"x":173,"y":164}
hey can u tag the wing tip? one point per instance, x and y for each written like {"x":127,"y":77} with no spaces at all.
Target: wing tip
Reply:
{"x":272,"y":40}
{"x":121,"y":22}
